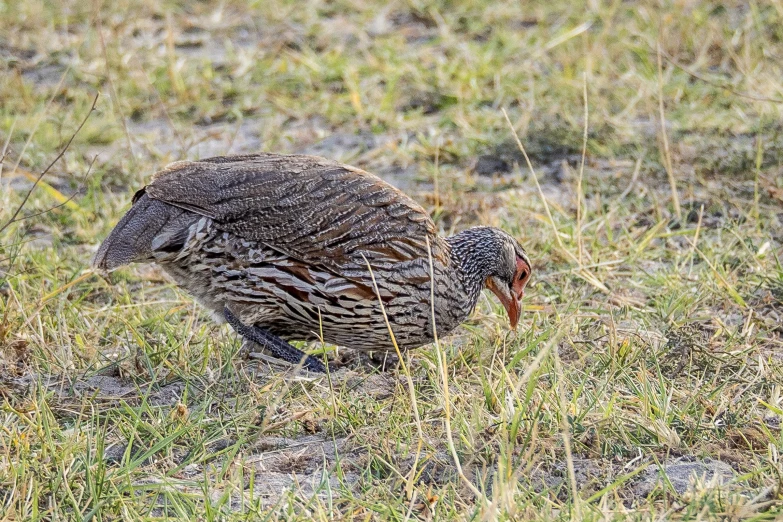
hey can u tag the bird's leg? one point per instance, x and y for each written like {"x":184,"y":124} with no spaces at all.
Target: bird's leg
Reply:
{"x":278,"y":347}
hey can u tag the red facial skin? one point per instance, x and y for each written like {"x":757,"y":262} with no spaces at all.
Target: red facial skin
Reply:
{"x":521,"y":278}
{"x":510,"y":299}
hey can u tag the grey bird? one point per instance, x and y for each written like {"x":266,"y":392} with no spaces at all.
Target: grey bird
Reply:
{"x":292,"y":247}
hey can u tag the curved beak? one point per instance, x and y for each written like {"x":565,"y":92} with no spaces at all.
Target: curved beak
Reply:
{"x":509,"y":301}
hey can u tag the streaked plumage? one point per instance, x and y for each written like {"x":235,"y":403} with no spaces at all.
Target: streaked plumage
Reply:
{"x":284,"y":243}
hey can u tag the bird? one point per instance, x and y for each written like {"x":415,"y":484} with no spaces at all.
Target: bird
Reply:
{"x":301,"y":248}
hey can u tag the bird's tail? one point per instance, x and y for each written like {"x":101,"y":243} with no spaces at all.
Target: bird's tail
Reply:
{"x":131,"y":240}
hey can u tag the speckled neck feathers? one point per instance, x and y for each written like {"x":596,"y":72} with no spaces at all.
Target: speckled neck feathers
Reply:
{"x":476,"y":254}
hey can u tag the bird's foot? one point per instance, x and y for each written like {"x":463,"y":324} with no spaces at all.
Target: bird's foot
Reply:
{"x":384,"y":361}
{"x":247,"y":349}
{"x":276,"y":346}
{"x":362,"y":360}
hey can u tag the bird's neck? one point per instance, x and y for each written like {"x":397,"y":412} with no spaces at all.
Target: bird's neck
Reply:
{"x":474,"y":257}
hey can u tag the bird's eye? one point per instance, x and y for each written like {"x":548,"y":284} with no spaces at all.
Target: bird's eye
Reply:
{"x":522,"y":275}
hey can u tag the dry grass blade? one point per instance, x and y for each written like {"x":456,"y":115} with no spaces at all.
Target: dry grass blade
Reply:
{"x":411,"y":390}
{"x":43,"y":173}
{"x":565,"y":432}
{"x":667,"y":155}
{"x":58,"y":196}
{"x":587,"y":276}
{"x":579,"y":182}
{"x":443,"y":370}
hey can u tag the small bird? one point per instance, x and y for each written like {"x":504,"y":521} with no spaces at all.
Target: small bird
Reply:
{"x":293,"y":247}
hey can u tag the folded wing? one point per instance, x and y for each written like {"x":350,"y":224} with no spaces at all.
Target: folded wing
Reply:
{"x":309,"y":208}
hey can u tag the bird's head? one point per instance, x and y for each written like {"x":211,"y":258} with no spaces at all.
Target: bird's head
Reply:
{"x":510,"y":277}
{"x":498,"y":261}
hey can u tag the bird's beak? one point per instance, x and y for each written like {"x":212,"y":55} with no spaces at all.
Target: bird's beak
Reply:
{"x":509,"y":301}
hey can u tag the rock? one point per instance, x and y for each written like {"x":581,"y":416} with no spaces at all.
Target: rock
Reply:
{"x":489,"y":164}
{"x":681,"y":473}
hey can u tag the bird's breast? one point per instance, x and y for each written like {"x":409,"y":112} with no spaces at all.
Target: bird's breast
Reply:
{"x":302,"y":301}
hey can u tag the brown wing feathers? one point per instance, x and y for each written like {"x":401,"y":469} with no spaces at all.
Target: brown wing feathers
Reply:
{"x":312,"y":209}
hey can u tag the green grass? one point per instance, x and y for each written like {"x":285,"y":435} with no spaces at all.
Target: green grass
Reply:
{"x":650,"y":337}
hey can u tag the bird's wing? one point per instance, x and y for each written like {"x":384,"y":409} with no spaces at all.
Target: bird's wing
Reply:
{"x":310,"y":208}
